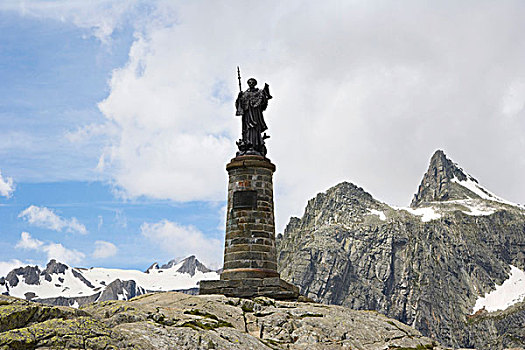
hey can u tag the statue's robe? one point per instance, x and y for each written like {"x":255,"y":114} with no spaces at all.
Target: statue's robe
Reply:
{"x":250,"y":104}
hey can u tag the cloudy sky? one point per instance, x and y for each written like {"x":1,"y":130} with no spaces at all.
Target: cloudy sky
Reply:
{"x":117,"y":116}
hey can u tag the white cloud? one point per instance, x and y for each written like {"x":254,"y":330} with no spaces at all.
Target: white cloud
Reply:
{"x":182,"y":241}
{"x":6,"y":186}
{"x":223,"y":212}
{"x":88,"y":132}
{"x":360,"y":90}
{"x":101,"y":17}
{"x":45,"y":217}
{"x":363,"y":91}
{"x":53,"y":250}
{"x":28,"y":242}
{"x":60,"y":253}
{"x":104,"y":250}
{"x":514,"y":99}
{"x":7,"y":266}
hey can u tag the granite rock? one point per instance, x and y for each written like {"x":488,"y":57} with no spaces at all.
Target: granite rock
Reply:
{"x":178,"y":321}
{"x":424,"y":266}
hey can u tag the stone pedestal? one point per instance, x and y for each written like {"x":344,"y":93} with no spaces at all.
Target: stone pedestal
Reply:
{"x":250,"y":261}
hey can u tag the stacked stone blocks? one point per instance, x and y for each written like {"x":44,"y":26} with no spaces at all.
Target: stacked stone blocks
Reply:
{"x":250,"y":232}
{"x":250,"y":260}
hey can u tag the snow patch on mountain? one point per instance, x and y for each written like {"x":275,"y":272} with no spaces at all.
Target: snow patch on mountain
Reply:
{"x":61,"y":281}
{"x":3,"y":288}
{"x":475,"y":207}
{"x":379,"y":213}
{"x":426,"y":214}
{"x":154,"y":280}
{"x":472,"y":185}
{"x":510,"y":292}
{"x":64,"y":284}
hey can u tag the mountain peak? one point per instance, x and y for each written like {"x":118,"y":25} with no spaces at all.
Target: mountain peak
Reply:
{"x":190,"y":265}
{"x":187,"y":265}
{"x":154,"y":266}
{"x":54,"y":266}
{"x":440,"y":182}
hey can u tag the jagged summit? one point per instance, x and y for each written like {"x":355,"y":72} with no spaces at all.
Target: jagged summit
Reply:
{"x":456,"y":244}
{"x":187,"y":265}
{"x":54,"y":266}
{"x":190,"y":265}
{"x":438,"y":185}
{"x":447,"y":181}
{"x":154,"y":266}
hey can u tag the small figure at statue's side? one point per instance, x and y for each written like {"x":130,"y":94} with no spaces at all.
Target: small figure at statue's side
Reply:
{"x":250,"y":104}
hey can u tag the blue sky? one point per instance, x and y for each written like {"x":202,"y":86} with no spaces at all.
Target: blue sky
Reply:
{"x":118,"y":119}
{"x":105,"y":219}
{"x":54,"y":73}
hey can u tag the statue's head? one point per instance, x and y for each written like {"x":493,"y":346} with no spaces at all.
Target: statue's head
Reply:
{"x":252,"y":82}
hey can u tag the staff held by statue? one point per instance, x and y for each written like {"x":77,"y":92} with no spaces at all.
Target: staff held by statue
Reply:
{"x":239,"y":78}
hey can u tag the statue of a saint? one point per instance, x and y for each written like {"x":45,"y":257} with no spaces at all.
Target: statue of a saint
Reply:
{"x":251,"y":104}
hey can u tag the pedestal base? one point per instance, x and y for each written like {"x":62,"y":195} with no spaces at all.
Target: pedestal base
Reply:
{"x":250,"y":257}
{"x":272,"y":287}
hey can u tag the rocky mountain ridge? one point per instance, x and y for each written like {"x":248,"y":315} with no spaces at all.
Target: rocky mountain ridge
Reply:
{"x":425,"y":265}
{"x":445,"y":182}
{"x":60,"y":284}
{"x":190,"y":265}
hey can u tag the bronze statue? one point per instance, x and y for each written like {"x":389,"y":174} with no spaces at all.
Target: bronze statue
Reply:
{"x":251,"y":104}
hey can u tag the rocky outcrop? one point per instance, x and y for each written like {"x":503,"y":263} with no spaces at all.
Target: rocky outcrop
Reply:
{"x":121,"y":290}
{"x":179,"y":321}
{"x":169,"y":264}
{"x":190,"y":265}
{"x":53,"y":267}
{"x":82,"y":278}
{"x":116,"y":290}
{"x":425,"y":266}
{"x":29,"y":273}
{"x":16,"y":314}
{"x":154,"y":266}
{"x":446,"y":181}
{"x":500,"y":329}
{"x":69,"y":301}
{"x":437,"y":184}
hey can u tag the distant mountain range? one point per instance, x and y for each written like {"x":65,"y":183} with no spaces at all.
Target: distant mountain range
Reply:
{"x":444,"y":265}
{"x":60,"y":284}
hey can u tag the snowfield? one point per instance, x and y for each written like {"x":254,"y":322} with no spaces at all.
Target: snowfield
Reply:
{"x":426,"y":214}
{"x":510,"y":292}
{"x":155,"y":280}
{"x":77,"y":282}
{"x":472,"y":185}
{"x":379,"y":213}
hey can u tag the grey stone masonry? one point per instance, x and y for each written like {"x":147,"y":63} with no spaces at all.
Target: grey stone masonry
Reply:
{"x":250,"y":258}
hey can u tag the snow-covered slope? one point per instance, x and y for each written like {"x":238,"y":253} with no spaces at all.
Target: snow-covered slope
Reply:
{"x":154,"y":279}
{"x":446,"y":187}
{"x":473,"y":186}
{"x":60,"y":281}
{"x":510,"y":292}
